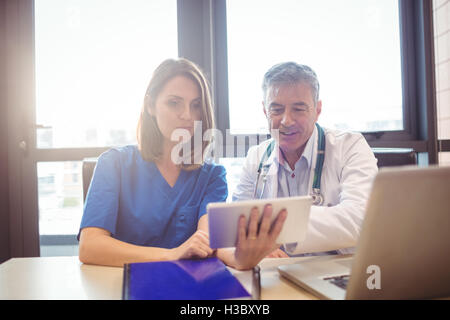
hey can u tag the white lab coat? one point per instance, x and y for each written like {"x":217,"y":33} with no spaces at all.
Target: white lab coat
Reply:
{"x":348,"y":172}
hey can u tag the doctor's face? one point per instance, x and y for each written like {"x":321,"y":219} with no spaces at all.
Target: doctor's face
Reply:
{"x":177,"y":106}
{"x":290,"y":108}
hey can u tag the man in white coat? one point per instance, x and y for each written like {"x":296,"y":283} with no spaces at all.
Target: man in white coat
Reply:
{"x":292,"y":107}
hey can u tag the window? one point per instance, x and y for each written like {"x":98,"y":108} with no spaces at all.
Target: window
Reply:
{"x":60,"y":197}
{"x":234,"y":168}
{"x":353,"y":45}
{"x":94,"y":60}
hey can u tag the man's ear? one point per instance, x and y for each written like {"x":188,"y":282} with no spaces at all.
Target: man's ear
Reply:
{"x":318,"y":109}
{"x":264,"y":109}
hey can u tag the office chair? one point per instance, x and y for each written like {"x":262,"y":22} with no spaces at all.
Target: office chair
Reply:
{"x":87,"y":171}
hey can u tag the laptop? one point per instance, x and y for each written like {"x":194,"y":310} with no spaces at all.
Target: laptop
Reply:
{"x":404,"y":247}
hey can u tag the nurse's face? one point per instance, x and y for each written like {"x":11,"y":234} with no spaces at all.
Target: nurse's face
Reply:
{"x":177,"y":106}
{"x":290,"y":108}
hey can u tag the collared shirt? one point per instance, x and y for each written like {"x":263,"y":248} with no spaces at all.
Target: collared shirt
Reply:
{"x":295,"y":182}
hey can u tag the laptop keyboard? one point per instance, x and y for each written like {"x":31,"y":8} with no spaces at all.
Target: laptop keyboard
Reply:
{"x":340,"y":281}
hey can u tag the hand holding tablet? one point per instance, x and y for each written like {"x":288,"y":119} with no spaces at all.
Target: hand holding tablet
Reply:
{"x":223,"y":219}
{"x":259,"y":239}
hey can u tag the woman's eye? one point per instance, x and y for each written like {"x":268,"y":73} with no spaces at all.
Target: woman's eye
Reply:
{"x":172,"y":103}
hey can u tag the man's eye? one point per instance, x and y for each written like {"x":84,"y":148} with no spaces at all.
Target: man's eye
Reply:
{"x":300,"y":109}
{"x":276,"y":111}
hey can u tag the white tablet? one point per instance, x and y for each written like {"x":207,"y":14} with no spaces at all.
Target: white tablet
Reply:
{"x":223,"y":219}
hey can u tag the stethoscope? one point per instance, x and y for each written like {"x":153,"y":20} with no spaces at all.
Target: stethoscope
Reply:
{"x":263,"y":169}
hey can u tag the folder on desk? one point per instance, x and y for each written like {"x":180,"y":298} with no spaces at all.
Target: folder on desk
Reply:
{"x":205,"y":279}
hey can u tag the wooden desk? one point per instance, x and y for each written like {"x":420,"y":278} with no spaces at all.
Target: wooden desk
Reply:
{"x":68,"y":278}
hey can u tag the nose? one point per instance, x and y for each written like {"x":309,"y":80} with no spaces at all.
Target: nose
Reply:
{"x":186,"y":113}
{"x":287,"y":119}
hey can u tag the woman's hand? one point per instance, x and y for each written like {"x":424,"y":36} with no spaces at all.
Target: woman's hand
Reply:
{"x":254,"y":245}
{"x":197,"y":246}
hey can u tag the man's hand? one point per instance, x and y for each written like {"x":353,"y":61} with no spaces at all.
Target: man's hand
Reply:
{"x":278,"y":253}
{"x":253,"y":245}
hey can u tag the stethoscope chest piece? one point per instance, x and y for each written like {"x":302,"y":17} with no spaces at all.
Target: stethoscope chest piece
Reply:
{"x":317,"y":198}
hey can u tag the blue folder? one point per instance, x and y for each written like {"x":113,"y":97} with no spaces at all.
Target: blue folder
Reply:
{"x":206,"y":279}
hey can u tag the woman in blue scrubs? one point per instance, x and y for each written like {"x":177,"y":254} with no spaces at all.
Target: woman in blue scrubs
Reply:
{"x":144,"y":203}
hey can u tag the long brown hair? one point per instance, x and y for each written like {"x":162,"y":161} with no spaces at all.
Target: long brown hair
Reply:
{"x":149,"y":136}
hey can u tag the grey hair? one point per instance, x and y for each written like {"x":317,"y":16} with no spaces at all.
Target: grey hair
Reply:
{"x":290,"y":73}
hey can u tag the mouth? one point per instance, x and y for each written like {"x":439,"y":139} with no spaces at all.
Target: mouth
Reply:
{"x":186,"y":128}
{"x":288,"y":134}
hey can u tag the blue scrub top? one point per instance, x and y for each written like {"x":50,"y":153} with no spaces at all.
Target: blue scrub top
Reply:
{"x":130,"y":198}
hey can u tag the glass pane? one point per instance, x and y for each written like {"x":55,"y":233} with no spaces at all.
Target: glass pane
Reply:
{"x":94,"y":59}
{"x":60,"y":196}
{"x":444,"y":158}
{"x":441,"y":18}
{"x":233,"y":166}
{"x":353,"y":45}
